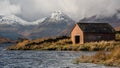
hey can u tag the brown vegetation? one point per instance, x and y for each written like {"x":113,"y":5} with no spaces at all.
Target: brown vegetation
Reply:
{"x":109,"y":59}
{"x":63,"y":43}
{"x":4,"y":40}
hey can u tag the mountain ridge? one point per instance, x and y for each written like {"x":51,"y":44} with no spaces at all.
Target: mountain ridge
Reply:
{"x":56,"y":24}
{"x":112,"y":20}
{"x":48,"y":26}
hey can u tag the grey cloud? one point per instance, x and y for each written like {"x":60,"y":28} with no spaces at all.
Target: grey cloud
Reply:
{"x":6,"y":8}
{"x":77,"y":9}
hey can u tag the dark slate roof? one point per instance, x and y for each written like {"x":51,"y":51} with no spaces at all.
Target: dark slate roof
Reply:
{"x":96,"y":27}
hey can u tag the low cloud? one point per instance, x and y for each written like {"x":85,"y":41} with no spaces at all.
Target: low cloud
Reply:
{"x":77,"y":9}
{"x":6,"y":8}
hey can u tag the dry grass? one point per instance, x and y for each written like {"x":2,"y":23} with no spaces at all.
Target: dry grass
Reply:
{"x":64,"y":43}
{"x":109,"y":59}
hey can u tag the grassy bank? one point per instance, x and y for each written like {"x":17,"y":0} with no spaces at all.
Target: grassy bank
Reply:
{"x":64,"y":44}
{"x":109,"y":59}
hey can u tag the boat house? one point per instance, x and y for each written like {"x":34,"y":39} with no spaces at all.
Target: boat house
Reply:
{"x":92,"y":32}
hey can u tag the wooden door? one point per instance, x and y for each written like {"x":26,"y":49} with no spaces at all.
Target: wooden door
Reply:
{"x":77,"y":39}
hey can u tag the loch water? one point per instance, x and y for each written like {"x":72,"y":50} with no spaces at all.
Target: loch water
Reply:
{"x":43,"y":59}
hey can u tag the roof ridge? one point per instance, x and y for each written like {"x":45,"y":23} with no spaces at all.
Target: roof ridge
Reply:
{"x":96,"y":27}
{"x":91,"y":23}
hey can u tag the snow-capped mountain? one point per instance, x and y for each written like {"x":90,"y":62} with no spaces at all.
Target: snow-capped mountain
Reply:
{"x":53,"y":25}
{"x":56,"y":24}
{"x":57,"y":17}
{"x":12,"y":26}
{"x":12,"y":19}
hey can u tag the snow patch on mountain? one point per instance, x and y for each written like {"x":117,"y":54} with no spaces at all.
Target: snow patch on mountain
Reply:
{"x":12,"y":19}
{"x":39,"y":21}
{"x":57,"y":15}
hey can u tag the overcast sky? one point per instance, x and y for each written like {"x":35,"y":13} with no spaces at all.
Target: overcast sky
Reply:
{"x":31,"y":10}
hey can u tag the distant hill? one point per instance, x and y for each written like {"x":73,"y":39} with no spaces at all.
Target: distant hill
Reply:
{"x":5,"y":40}
{"x":113,"y":20}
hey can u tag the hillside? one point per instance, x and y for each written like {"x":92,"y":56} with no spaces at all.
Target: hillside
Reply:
{"x":5,"y":40}
{"x":55,"y":24}
{"x":113,"y":20}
